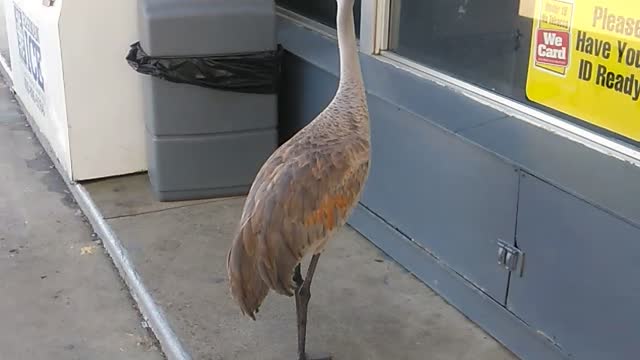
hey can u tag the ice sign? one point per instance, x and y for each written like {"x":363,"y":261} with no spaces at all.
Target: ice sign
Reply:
{"x":28,"y":36}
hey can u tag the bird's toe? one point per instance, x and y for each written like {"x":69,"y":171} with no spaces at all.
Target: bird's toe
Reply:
{"x":318,"y":357}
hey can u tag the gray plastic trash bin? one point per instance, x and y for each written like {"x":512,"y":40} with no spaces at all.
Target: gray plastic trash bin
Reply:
{"x":204,"y":142}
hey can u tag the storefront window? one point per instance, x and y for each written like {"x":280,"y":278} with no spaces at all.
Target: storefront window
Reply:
{"x":578,"y":59}
{"x":322,"y":11}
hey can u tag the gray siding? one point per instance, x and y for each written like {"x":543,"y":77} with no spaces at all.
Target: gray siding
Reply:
{"x":446,"y":194}
{"x":581,"y":283}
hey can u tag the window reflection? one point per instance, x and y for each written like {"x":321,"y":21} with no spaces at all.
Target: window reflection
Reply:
{"x":488,"y":43}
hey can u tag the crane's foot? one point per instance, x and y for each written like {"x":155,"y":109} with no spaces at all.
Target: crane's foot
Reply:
{"x":316,"y":357}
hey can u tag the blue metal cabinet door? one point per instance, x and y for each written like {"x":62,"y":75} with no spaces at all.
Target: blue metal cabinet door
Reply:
{"x":581,"y":283}
{"x":451,"y":197}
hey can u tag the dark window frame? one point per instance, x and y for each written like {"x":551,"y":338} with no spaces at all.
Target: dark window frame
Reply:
{"x":322,"y":11}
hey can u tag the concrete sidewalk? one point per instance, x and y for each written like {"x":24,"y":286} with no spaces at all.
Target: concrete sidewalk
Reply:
{"x":364,"y":305}
{"x":60,"y":296}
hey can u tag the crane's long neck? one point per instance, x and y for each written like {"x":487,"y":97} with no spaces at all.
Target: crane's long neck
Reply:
{"x":350,"y":72}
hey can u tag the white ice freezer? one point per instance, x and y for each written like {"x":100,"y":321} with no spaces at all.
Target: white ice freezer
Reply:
{"x":68,"y":68}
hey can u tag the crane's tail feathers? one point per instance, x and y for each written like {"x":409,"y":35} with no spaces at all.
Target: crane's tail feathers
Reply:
{"x":280,"y":279}
{"x":276,"y":262}
{"x":247,"y":287}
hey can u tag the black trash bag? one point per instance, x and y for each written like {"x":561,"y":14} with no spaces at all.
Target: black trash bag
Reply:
{"x":256,"y":73}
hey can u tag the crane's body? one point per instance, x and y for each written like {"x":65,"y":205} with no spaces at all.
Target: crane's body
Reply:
{"x":303,"y":193}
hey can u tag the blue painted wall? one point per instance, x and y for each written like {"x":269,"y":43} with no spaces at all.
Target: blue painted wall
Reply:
{"x":451,"y":176}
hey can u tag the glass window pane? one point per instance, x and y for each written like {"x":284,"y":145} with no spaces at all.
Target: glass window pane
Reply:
{"x":488,"y":43}
{"x":322,"y":11}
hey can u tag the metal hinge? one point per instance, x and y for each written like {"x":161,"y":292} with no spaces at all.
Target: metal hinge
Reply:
{"x":47,"y":2}
{"x":510,"y":257}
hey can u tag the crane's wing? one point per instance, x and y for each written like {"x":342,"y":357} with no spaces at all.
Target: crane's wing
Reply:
{"x":296,"y":205}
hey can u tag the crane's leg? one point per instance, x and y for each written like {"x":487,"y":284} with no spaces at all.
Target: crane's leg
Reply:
{"x":303,"y":295}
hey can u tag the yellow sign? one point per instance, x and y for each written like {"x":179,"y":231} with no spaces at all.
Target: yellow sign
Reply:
{"x":585,"y":61}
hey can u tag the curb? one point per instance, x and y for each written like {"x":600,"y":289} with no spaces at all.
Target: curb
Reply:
{"x":154,"y":316}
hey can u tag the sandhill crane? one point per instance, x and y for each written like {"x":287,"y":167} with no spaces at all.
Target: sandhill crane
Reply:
{"x":303,"y":193}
